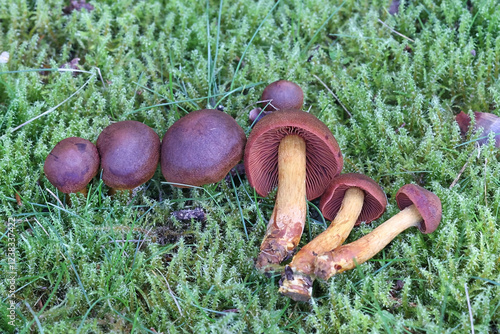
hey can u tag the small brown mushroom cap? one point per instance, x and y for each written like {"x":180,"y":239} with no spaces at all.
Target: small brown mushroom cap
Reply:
{"x":283,"y":95}
{"x":426,"y":202}
{"x":201,"y":148}
{"x":374,"y":204}
{"x":71,"y":164}
{"x":129,"y":151}
{"x":324,"y":159}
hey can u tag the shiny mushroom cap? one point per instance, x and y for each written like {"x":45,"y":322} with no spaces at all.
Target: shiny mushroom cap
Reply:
{"x":201,"y":148}
{"x":324,"y":159}
{"x":282,"y":95}
{"x":426,"y":202}
{"x":129,"y":151}
{"x":374,"y":203}
{"x":71,"y":164}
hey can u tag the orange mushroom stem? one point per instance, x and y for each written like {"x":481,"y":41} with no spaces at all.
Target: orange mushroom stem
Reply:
{"x":420,"y":208}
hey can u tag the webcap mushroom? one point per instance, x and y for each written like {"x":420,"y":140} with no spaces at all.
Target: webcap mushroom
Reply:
{"x":487,"y":121}
{"x":296,"y":152}
{"x":349,"y":199}
{"x":71,"y":164}
{"x":129,"y":151}
{"x":282,"y":95}
{"x":201,"y":148}
{"x":420,"y":208}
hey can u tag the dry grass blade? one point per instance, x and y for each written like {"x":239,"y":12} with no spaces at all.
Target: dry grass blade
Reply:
{"x":335,"y":96}
{"x":394,"y":31}
{"x":170,"y":291}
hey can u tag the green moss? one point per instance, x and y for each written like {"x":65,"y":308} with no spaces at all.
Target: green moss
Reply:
{"x":160,"y":61}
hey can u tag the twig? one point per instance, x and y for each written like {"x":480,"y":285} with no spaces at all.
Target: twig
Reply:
{"x":335,"y":96}
{"x":470,"y":309}
{"x":170,"y":291}
{"x":394,"y":31}
{"x":458,"y":176}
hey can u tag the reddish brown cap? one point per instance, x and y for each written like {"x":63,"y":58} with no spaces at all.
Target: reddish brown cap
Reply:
{"x":283,"y":95}
{"x":129,"y":151}
{"x":201,"y":148}
{"x":426,"y":202}
{"x":374,"y":203}
{"x":71,"y":164}
{"x":324,"y":160}
{"x":489,"y":122}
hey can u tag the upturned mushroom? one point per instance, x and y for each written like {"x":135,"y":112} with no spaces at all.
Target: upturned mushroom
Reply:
{"x":72,"y":164}
{"x":420,"y":208}
{"x":279,"y":95}
{"x":201,"y":148}
{"x":487,"y":121}
{"x":349,"y":199}
{"x":130,"y":152}
{"x":296,"y":152}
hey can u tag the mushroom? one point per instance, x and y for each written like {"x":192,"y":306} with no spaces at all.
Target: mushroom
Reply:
{"x":71,"y":164}
{"x":129,"y":151}
{"x":420,"y":208}
{"x":201,"y":148}
{"x":348,"y":200}
{"x":279,"y":95}
{"x":282,"y":95}
{"x":489,"y":123}
{"x":297,"y":152}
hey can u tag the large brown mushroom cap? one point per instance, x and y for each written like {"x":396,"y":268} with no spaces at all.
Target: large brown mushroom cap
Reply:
{"x":201,"y":148}
{"x":129,"y":151}
{"x":71,"y":164}
{"x":283,"y":95}
{"x":375,"y":200}
{"x":426,"y":202}
{"x":324,"y":160}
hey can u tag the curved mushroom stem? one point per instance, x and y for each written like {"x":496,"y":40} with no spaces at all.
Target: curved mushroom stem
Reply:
{"x":298,"y":279}
{"x":287,"y":221}
{"x":346,"y":257}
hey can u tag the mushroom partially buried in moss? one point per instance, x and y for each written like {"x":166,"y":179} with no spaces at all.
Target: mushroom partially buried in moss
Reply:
{"x":487,"y":121}
{"x":72,"y":164}
{"x":420,"y":208}
{"x":130,"y":152}
{"x":279,"y":95}
{"x":349,"y":199}
{"x":201,"y":148}
{"x":296,"y":152}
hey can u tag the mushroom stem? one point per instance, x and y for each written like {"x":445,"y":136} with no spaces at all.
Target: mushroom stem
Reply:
{"x":287,"y":221}
{"x":297,"y":282}
{"x":346,"y":257}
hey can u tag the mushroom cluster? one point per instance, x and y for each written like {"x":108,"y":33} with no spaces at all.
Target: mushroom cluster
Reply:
{"x":198,"y":149}
{"x":287,"y":149}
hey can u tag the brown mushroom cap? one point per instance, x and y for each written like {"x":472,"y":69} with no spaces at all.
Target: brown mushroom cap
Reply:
{"x":487,"y":121}
{"x":324,"y":159}
{"x":283,"y":95}
{"x":374,"y":203}
{"x":71,"y":164}
{"x":201,"y":148}
{"x":129,"y":151}
{"x":426,"y":202}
